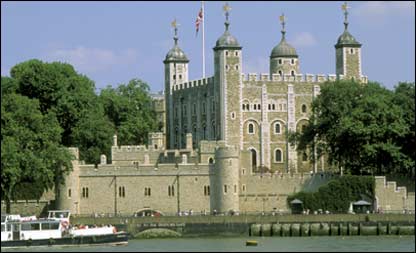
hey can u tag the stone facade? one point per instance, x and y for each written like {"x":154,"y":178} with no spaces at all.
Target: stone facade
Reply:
{"x":224,"y":142}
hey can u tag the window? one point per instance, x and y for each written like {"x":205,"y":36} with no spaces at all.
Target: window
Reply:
{"x":147,"y":191}
{"x":278,"y":155}
{"x":236,"y":53}
{"x":304,"y":108}
{"x":226,"y":53}
{"x":85,"y":192}
{"x":277,"y":128}
{"x":273,"y":107}
{"x":292,"y":61}
{"x":255,"y":106}
{"x":171,"y":190}
{"x":121,"y":192}
{"x":226,"y":67}
{"x":210,"y":160}
{"x":69,"y":193}
{"x":206,"y":190}
{"x":235,"y":188}
{"x":203,"y":108}
{"x":233,"y":115}
{"x":244,"y":107}
{"x":280,"y":62}
{"x":225,"y":189}
{"x":280,"y":73}
{"x":304,"y":157}
{"x":258,"y":107}
{"x":243,"y":188}
{"x":292,"y":73}
{"x":270,"y":107}
{"x":174,"y":77}
{"x":303,"y":128}
{"x":253,"y":159}
{"x":351,"y":51}
{"x":250,"y":128}
{"x":236,"y":67}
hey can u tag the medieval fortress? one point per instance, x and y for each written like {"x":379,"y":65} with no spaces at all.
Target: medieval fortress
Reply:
{"x":224,"y":143}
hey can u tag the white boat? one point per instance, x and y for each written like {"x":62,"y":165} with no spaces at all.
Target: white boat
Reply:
{"x":17,"y":231}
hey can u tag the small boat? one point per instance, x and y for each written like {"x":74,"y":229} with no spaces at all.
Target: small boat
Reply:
{"x":251,"y":243}
{"x":17,"y":231}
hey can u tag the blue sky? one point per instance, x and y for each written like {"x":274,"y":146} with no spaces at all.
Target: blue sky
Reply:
{"x":113,"y":42}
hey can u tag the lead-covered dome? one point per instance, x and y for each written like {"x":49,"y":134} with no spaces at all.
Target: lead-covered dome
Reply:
{"x":284,"y":49}
{"x":176,"y":54}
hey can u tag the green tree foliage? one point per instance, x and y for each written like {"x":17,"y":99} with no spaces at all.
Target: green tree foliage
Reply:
{"x":129,"y":107}
{"x":360,"y":127}
{"x":61,"y":90}
{"x":337,"y":194}
{"x":32,"y":159}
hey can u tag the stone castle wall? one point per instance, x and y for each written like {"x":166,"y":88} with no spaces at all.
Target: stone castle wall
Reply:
{"x":391,"y":198}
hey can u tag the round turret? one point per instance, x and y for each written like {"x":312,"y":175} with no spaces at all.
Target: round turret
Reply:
{"x":225,"y":180}
{"x":227,"y":40}
{"x":284,"y":58}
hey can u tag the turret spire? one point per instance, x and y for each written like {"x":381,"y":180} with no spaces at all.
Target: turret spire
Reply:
{"x":175,"y":25}
{"x":345,"y":8}
{"x":226,"y":9}
{"x":282,"y":21}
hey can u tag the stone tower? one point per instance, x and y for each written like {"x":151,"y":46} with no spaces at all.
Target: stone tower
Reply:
{"x":176,"y":71}
{"x":68,"y":193}
{"x":228,"y":87}
{"x":348,"y":53}
{"x":224,"y":179}
{"x":284,"y":60}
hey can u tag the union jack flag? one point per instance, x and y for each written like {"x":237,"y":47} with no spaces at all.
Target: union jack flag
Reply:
{"x":198,"y":21}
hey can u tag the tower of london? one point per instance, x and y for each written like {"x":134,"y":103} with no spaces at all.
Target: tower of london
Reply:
{"x":224,"y":144}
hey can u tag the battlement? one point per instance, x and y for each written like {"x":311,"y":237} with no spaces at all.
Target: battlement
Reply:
{"x":193,"y":83}
{"x":310,"y":78}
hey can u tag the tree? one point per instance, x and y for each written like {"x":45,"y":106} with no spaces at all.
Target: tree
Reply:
{"x":61,"y":90}
{"x":358,"y":126}
{"x":129,"y":107}
{"x":32,"y":158}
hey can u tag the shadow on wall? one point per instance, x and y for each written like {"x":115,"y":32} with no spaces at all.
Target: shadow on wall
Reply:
{"x":317,"y":180}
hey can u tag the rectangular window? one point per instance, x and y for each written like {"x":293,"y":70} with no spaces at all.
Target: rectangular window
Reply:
{"x":243,"y":188}
{"x":235,"y":188}
{"x":225,"y":188}
{"x":69,"y":193}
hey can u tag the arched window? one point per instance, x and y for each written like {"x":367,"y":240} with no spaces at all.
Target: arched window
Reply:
{"x":293,"y":61}
{"x":304,"y":157}
{"x":211,"y":161}
{"x":303,"y":128}
{"x":277,"y":129}
{"x":304,"y":108}
{"x":253,"y":159}
{"x":244,"y":107}
{"x":278,"y":155}
{"x":250,"y":128}
{"x":292,"y":73}
{"x":280,"y":73}
{"x":280,"y":62}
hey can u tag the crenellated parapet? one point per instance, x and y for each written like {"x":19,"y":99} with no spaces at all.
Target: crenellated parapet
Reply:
{"x":298,"y":78}
{"x":193,"y":83}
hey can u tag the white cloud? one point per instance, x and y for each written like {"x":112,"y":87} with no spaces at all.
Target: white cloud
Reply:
{"x":376,"y":12}
{"x":304,"y":39}
{"x":93,"y":59}
{"x":258,"y":65}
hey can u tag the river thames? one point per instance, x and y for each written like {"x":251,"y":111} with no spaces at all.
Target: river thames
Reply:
{"x":276,"y":244}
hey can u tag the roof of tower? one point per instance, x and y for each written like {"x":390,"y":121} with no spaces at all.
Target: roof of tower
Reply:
{"x":346,"y":39}
{"x":175,"y":54}
{"x":227,"y":40}
{"x":283,"y":49}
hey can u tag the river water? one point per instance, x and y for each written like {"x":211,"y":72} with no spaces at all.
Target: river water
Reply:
{"x":322,"y":243}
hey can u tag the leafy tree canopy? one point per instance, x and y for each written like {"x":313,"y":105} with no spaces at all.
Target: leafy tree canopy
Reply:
{"x":129,"y":107}
{"x":362,"y":127}
{"x":32,"y":158}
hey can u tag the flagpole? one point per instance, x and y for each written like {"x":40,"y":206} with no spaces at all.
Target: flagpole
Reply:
{"x":203,"y":39}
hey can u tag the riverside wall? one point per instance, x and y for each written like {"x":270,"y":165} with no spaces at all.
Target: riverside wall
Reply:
{"x":258,"y":225}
